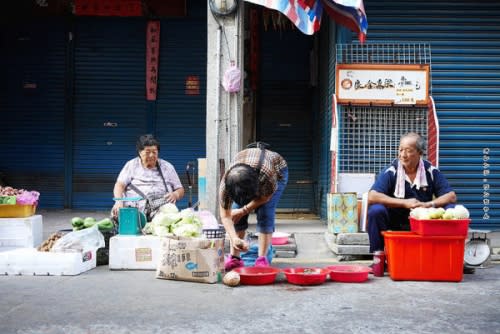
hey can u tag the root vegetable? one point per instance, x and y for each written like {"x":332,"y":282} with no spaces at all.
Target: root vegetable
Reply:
{"x":232,"y":279}
{"x":241,"y":245}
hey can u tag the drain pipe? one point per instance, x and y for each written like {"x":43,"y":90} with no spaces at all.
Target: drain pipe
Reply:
{"x":217,"y":95}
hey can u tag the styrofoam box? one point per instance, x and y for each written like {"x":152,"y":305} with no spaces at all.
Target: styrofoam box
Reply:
{"x":29,"y":261}
{"x":21,"y":232}
{"x":140,"y":252}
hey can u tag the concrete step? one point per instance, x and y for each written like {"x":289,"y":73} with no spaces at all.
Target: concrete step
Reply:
{"x":348,"y":246}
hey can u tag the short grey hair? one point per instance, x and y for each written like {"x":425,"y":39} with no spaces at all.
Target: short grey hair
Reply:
{"x":419,"y":141}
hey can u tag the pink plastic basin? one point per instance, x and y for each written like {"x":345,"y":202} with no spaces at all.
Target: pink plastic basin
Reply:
{"x":280,"y":238}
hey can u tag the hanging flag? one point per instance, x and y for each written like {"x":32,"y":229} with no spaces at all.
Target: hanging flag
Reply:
{"x":305,"y":14}
{"x":349,"y":13}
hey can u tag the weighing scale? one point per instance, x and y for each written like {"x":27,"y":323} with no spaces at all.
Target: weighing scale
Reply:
{"x":478,"y":250}
{"x":130,"y":219}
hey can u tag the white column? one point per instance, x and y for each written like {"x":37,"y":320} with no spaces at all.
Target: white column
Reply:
{"x":224,"y":110}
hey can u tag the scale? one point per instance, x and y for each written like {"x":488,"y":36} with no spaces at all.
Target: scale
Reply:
{"x":130,"y":219}
{"x":478,"y":250}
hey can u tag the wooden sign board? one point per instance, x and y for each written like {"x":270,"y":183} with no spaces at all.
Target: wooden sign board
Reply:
{"x":381,"y":84}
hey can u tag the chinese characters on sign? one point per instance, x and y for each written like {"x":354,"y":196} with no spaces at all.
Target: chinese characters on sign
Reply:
{"x":382,"y":84}
{"x":108,"y":7}
{"x":152,"y":54}
{"x":192,"y":85}
{"x":486,"y":185}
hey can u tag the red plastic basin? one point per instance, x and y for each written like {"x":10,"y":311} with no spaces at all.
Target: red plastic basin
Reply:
{"x":349,"y":273}
{"x":257,"y":275}
{"x":305,"y":276}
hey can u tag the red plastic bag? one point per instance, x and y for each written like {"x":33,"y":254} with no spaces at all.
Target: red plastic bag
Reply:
{"x":232,"y":79}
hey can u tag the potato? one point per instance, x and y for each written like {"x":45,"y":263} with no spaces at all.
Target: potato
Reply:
{"x":241,"y":245}
{"x":232,"y":278}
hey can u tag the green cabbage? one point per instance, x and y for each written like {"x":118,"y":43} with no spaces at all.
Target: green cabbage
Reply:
{"x":166,"y":219}
{"x":187,"y":230}
{"x":169,"y":208}
{"x":461,"y":212}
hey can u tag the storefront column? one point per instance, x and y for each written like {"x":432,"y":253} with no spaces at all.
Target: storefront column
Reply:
{"x":224,"y":110}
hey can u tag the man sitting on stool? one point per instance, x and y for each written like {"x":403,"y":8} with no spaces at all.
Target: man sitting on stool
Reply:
{"x":409,"y":182}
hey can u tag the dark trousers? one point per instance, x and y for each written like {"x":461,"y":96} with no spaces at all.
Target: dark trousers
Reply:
{"x":381,"y":219}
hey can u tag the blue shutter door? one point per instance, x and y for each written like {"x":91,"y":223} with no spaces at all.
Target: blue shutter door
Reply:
{"x":110,"y":108}
{"x":32,"y":63}
{"x":285,"y":113}
{"x":465,"y":45}
{"x":180,"y":118}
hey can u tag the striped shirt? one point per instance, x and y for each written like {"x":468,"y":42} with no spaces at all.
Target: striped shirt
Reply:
{"x":270,"y":172}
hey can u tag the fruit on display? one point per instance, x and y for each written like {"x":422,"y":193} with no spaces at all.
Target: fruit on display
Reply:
{"x":458,"y":212}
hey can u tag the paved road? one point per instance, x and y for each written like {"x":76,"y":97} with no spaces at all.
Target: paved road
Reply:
{"x":105,"y":301}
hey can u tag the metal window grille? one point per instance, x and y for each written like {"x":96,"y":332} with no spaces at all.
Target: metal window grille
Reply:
{"x":369,"y":136}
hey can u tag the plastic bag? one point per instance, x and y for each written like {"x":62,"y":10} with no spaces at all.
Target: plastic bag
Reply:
{"x":232,"y":79}
{"x":79,"y":241}
{"x":251,"y":255}
{"x":208,"y":220}
{"x":28,"y":198}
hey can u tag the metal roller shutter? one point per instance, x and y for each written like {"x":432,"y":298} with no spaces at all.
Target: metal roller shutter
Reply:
{"x":110,"y":108}
{"x":286,"y":114}
{"x":32,"y":63}
{"x":180,"y":118}
{"x":465,"y":43}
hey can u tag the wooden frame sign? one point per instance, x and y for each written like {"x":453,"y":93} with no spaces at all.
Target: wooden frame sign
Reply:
{"x":378,"y":84}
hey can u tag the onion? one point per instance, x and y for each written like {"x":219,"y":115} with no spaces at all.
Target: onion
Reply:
{"x":232,"y":278}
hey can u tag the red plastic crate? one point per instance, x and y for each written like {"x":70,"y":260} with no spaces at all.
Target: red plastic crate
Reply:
{"x":413,"y":257}
{"x":442,"y":227}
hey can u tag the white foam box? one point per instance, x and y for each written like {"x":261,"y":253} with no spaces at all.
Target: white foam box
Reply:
{"x":134,"y":252}
{"x":21,"y":232}
{"x":29,"y":261}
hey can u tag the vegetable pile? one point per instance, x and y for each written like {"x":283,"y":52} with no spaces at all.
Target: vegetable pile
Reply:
{"x":9,"y":195}
{"x":104,"y":225}
{"x":170,"y":221}
{"x":458,"y":212}
{"x":46,"y":246}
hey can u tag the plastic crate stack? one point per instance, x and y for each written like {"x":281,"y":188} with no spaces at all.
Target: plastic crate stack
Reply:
{"x":432,"y":251}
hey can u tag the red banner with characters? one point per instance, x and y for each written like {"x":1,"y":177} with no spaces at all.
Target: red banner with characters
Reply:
{"x":108,"y":7}
{"x":152,"y":61}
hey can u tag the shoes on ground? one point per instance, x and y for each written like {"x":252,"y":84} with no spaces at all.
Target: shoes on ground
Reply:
{"x":233,"y":263}
{"x":261,"y":262}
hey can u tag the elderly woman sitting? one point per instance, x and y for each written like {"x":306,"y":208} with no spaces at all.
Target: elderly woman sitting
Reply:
{"x":147,"y":176}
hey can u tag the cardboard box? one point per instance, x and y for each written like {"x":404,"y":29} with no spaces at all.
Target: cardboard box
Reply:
{"x":191,"y":259}
{"x":135,"y":252}
{"x":342,"y":212}
{"x":21,"y":232}
{"x":29,"y":261}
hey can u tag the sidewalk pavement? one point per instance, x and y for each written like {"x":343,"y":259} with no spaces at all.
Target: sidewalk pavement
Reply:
{"x":102,"y":301}
{"x":308,"y":229}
